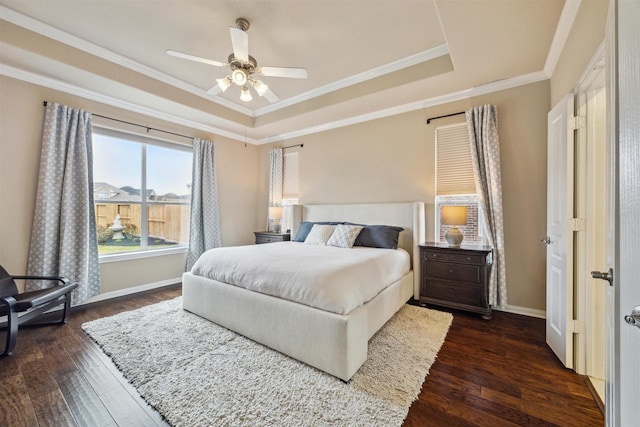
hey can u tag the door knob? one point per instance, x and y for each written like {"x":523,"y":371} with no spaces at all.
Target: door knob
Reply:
{"x":546,"y":240}
{"x":633,"y":318}
{"x":608,"y":276}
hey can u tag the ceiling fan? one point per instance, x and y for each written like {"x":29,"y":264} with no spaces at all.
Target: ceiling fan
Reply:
{"x":244,"y":67}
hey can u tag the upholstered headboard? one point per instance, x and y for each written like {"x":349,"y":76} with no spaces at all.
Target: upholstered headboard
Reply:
{"x":410,"y":216}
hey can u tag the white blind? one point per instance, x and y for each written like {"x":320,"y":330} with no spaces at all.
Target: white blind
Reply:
{"x":290,"y":176}
{"x":454,"y":170}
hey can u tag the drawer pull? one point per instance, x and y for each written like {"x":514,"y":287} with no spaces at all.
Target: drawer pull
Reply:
{"x":451,"y":270}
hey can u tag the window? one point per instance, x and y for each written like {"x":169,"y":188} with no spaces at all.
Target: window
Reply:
{"x":142,"y":193}
{"x":455,"y":182}
{"x":289,"y":187}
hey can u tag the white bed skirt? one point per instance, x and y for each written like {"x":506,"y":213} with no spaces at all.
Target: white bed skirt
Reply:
{"x":336,"y":344}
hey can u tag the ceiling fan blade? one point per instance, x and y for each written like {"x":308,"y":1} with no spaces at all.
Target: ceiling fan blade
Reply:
{"x":195,"y":58}
{"x":214,"y":90}
{"x":240,"y":43}
{"x":293,"y":73}
{"x":271,"y":96}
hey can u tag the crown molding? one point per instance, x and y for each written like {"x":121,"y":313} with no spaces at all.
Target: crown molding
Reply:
{"x":568,"y":15}
{"x":55,"y":84}
{"x":417,"y":105}
{"x":430,"y":102}
{"x":53,"y":33}
{"x":106,"y":54}
{"x":358,"y":78}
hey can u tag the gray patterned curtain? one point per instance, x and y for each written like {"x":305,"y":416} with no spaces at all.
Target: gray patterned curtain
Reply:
{"x":482,"y":123}
{"x":204,"y":227}
{"x":63,"y":237}
{"x":275,"y":179}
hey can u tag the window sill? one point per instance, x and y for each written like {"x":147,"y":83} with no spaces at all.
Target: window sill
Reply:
{"x":104,"y":259}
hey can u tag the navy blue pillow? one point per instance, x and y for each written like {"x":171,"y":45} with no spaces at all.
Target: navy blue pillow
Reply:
{"x":378,"y":236}
{"x":305,"y":228}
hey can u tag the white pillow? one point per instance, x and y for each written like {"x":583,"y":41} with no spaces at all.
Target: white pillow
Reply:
{"x":319,"y":234}
{"x":344,"y":236}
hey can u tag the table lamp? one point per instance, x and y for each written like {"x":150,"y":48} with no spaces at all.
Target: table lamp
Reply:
{"x":453,"y":216}
{"x":275,"y":213}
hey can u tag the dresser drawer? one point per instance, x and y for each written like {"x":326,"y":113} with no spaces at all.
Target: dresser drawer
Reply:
{"x":457,"y":293}
{"x":458,"y":258}
{"x":266,"y":237}
{"x":456,"y":272}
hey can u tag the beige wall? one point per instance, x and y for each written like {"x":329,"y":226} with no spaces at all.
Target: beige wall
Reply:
{"x":392,"y":159}
{"x":389,"y":159}
{"x":21,"y":117}
{"x":587,"y":33}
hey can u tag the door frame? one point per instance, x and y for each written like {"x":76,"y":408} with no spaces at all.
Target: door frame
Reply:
{"x":623,"y":90}
{"x":584,"y":285}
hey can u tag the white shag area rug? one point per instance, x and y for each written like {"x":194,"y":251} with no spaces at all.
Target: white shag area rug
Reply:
{"x":196,"y":373}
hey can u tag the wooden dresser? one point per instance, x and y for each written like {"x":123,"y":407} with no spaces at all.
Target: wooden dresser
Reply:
{"x":268,"y":237}
{"x":456,"y":277}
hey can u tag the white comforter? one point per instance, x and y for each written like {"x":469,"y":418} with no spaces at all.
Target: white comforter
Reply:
{"x":329,"y":278}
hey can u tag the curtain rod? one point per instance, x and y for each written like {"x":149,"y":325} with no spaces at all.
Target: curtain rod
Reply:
{"x":442,"y":117}
{"x":148,"y":128}
{"x":295,"y":145}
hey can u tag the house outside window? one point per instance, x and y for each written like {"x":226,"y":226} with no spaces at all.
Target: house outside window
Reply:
{"x":455,"y":182}
{"x":142,"y":194}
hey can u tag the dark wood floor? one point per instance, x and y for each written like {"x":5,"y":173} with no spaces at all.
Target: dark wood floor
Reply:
{"x":488,"y":373}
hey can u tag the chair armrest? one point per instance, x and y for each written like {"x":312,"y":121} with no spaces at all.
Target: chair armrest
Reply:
{"x":64,"y":280}
{"x":9,"y":302}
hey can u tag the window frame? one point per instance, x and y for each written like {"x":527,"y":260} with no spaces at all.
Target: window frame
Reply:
{"x":456,"y":134}
{"x":144,"y":141}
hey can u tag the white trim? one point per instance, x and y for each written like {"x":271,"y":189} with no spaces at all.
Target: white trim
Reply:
{"x":131,"y":290}
{"x":358,"y":78}
{"x":150,"y":253}
{"x":86,"y":46}
{"x":417,"y":105}
{"x":597,"y":60}
{"x":563,"y":29}
{"x":55,"y":84}
{"x":568,"y":15}
{"x":525,"y":311}
{"x":78,"y":43}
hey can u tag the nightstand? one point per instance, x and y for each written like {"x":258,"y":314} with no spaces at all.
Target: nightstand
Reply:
{"x":269,"y":237}
{"x":456,"y":277}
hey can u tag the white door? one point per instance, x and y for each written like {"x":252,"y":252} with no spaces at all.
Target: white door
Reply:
{"x":559,"y":239}
{"x":623,"y":340}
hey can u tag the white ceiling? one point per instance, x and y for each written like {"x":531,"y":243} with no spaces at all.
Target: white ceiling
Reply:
{"x":365,"y":58}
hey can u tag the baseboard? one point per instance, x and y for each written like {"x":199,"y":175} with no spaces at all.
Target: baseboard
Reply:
{"x":594,"y":393}
{"x":132,"y":290}
{"x":525,"y":311}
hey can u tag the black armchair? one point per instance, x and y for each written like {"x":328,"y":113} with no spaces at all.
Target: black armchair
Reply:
{"x":33,"y":304}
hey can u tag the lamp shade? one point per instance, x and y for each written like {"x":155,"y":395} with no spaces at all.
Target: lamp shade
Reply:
{"x":224,"y":83}
{"x":275,"y":212}
{"x":454,"y":215}
{"x":260,"y":86}
{"x":245,"y":95}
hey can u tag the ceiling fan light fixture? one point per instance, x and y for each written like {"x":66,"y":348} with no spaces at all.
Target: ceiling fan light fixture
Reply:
{"x":224,"y":83}
{"x":259,"y":86}
{"x":245,"y":95}
{"x":239,"y":77}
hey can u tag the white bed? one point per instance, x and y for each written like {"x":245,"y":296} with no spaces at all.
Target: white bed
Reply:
{"x":334,"y":343}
